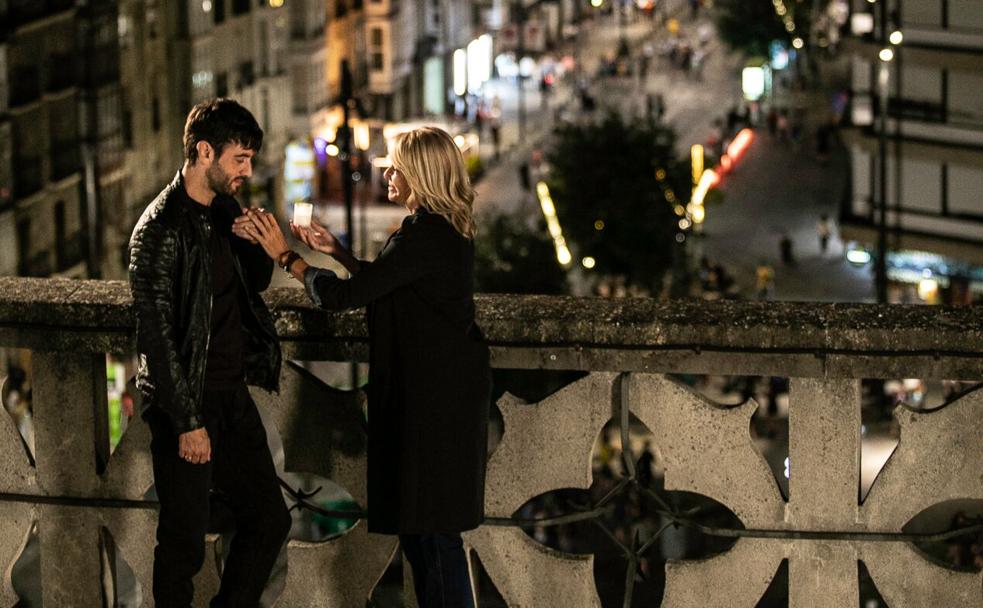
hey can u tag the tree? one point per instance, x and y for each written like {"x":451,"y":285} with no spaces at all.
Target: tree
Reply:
{"x":510,"y":258}
{"x":751,"y":25}
{"x":608,"y":201}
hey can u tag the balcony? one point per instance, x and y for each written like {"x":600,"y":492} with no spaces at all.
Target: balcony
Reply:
{"x":626,"y":350}
{"x":28,"y":177}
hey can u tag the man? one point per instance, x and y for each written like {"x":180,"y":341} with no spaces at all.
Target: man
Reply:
{"x":203,"y":332}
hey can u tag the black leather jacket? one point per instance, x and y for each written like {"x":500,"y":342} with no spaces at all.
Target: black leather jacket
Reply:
{"x":171,"y":283}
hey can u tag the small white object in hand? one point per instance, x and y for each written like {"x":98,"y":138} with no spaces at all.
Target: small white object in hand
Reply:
{"x":302,"y":214}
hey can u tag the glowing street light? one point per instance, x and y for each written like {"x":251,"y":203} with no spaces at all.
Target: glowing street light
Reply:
{"x":588,"y":262}
{"x":563,"y":255}
{"x":886,"y":55}
{"x":897,"y":37}
{"x":707,"y":181}
{"x":798,"y":42}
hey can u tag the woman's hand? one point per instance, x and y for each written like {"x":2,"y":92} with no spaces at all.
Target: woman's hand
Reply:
{"x":262,"y":226}
{"x":317,"y":238}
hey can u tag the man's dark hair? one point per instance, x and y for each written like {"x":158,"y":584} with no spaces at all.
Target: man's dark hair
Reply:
{"x":219,"y":122}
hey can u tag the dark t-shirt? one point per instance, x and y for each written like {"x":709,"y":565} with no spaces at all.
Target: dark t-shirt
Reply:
{"x":224,"y":367}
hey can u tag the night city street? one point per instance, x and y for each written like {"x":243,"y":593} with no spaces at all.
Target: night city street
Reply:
{"x":539,"y":303}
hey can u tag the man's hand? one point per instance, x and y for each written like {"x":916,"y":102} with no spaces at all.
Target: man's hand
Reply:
{"x":194,"y":446}
{"x":240,"y":226}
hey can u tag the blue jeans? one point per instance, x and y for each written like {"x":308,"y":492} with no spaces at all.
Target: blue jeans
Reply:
{"x":440,"y":570}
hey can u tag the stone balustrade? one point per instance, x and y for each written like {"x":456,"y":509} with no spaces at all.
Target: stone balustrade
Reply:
{"x":81,"y":494}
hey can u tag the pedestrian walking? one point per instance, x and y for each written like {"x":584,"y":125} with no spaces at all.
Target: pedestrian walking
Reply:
{"x":823,"y":230}
{"x":202,"y":330}
{"x":429,"y":376}
{"x":785,"y":249}
{"x":524,"y":178}
{"x":480,"y":115}
{"x":495,"y":124}
{"x":784,"y":135}
{"x":764,"y":280}
{"x":772,"y":120}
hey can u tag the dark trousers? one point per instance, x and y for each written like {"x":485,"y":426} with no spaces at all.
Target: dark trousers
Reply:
{"x":241,"y":472}
{"x":440,"y":570}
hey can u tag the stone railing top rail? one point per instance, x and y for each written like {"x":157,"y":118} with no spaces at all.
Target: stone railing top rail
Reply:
{"x":566,"y":332}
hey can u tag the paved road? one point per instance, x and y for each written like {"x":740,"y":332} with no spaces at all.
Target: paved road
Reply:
{"x":775,"y":190}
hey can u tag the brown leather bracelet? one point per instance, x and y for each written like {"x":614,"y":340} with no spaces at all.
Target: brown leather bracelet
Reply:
{"x":287,"y":259}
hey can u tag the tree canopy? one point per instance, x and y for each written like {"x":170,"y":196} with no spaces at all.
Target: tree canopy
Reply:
{"x":751,"y":25}
{"x":608,"y":201}
{"x":511,"y":258}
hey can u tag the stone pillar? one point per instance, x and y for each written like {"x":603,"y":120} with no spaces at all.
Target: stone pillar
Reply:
{"x":824,"y":472}
{"x":72,"y":448}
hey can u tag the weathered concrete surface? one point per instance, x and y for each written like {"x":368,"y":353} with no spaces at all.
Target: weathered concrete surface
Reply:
{"x":545,"y":446}
{"x":561,"y":430}
{"x":825,"y":458}
{"x":134,"y":532}
{"x":528,"y":574}
{"x":323,"y":434}
{"x":71,"y":564}
{"x":820,"y":340}
{"x":322,"y":429}
{"x":939,"y":457}
{"x":824,"y":469}
{"x":707,"y":448}
{"x":733,"y":579}
{"x":340,"y":573}
{"x":906,"y":579}
{"x":15,"y":526}
{"x":69,"y":416}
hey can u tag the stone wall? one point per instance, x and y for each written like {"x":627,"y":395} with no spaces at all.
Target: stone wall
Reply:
{"x":82,"y":496}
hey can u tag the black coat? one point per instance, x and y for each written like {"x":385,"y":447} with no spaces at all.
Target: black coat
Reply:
{"x":429,"y":378}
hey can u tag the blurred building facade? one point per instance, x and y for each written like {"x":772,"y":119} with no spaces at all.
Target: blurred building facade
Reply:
{"x":63,"y":116}
{"x":93,"y":98}
{"x":934,"y":153}
{"x":8,"y":233}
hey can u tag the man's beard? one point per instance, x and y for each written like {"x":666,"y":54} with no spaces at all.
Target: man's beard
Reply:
{"x":219,"y":181}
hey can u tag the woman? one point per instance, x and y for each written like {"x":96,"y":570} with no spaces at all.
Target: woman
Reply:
{"x":429,"y":378}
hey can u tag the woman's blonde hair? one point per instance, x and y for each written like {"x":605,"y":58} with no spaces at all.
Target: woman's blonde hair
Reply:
{"x":434,"y":169}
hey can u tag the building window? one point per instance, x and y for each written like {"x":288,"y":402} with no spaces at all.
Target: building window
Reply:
{"x":376,"y":56}
{"x":218,"y":11}
{"x":23,"y":244}
{"x":340,"y":8}
{"x":221,"y":84}
{"x":247,"y":74}
{"x":60,"y":234}
{"x":240,"y":7}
